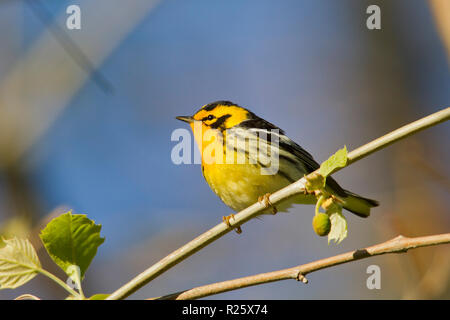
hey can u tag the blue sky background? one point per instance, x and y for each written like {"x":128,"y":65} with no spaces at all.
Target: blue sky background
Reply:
{"x":311,"y":67}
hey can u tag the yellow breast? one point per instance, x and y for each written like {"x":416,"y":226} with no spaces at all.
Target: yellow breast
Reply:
{"x":240,"y":185}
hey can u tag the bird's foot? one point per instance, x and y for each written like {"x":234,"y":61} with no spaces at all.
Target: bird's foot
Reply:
{"x":265,"y":200}
{"x":226,"y":219}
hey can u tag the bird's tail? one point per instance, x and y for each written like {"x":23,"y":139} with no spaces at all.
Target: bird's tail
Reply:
{"x":359,"y":205}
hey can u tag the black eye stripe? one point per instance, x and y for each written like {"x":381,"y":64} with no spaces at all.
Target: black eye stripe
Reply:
{"x":220,"y":121}
{"x":210,"y":117}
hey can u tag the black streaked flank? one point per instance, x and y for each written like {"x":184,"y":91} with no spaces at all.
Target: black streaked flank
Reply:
{"x":293,"y":148}
{"x":310,"y":164}
{"x":303,"y":155}
{"x":293,"y":161}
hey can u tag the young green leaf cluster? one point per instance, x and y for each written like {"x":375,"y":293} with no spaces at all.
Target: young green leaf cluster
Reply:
{"x":331,"y":222}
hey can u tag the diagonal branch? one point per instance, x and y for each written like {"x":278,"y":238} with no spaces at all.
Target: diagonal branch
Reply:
{"x":399,"y":244}
{"x":254,"y":210}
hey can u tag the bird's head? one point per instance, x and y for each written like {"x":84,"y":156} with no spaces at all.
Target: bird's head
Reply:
{"x":219,"y":115}
{"x":213,"y":119}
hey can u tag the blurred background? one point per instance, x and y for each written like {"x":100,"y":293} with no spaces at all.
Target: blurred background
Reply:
{"x":86,"y":118}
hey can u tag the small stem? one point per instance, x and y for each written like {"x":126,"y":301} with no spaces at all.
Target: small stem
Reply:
{"x":59,"y":281}
{"x":80,"y":289}
{"x":75,"y":274}
{"x":319,"y":203}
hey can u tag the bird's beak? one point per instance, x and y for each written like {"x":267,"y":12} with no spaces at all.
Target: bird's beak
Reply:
{"x":186,"y":119}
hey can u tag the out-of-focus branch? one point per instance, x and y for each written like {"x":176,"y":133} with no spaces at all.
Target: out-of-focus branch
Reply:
{"x":44,"y":79}
{"x":399,"y":244}
{"x":441,"y":12}
{"x":254,"y":210}
{"x":71,"y":48}
{"x":27,"y":297}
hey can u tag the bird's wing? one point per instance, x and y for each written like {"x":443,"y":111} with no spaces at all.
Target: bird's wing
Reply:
{"x":290,"y":150}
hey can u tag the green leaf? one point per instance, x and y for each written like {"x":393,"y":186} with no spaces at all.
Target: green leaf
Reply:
{"x":338,"y":230}
{"x":99,"y":296}
{"x":19,"y":263}
{"x":72,"y":239}
{"x":337,"y":160}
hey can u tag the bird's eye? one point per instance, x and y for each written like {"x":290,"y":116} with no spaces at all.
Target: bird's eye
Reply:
{"x":210,"y":117}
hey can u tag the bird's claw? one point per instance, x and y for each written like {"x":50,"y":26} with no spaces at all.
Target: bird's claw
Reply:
{"x":226,"y":219}
{"x":265,"y":200}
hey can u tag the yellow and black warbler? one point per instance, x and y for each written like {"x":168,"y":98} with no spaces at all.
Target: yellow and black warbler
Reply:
{"x":237,"y":133}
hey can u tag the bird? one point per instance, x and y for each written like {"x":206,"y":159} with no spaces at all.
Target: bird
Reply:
{"x":237,"y":148}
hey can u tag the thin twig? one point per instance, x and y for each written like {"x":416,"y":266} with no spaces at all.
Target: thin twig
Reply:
{"x":254,"y":210}
{"x":399,"y":244}
{"x":27,"y":296}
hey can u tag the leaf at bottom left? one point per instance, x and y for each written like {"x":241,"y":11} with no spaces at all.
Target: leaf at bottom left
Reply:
{"x":19,"y":263}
